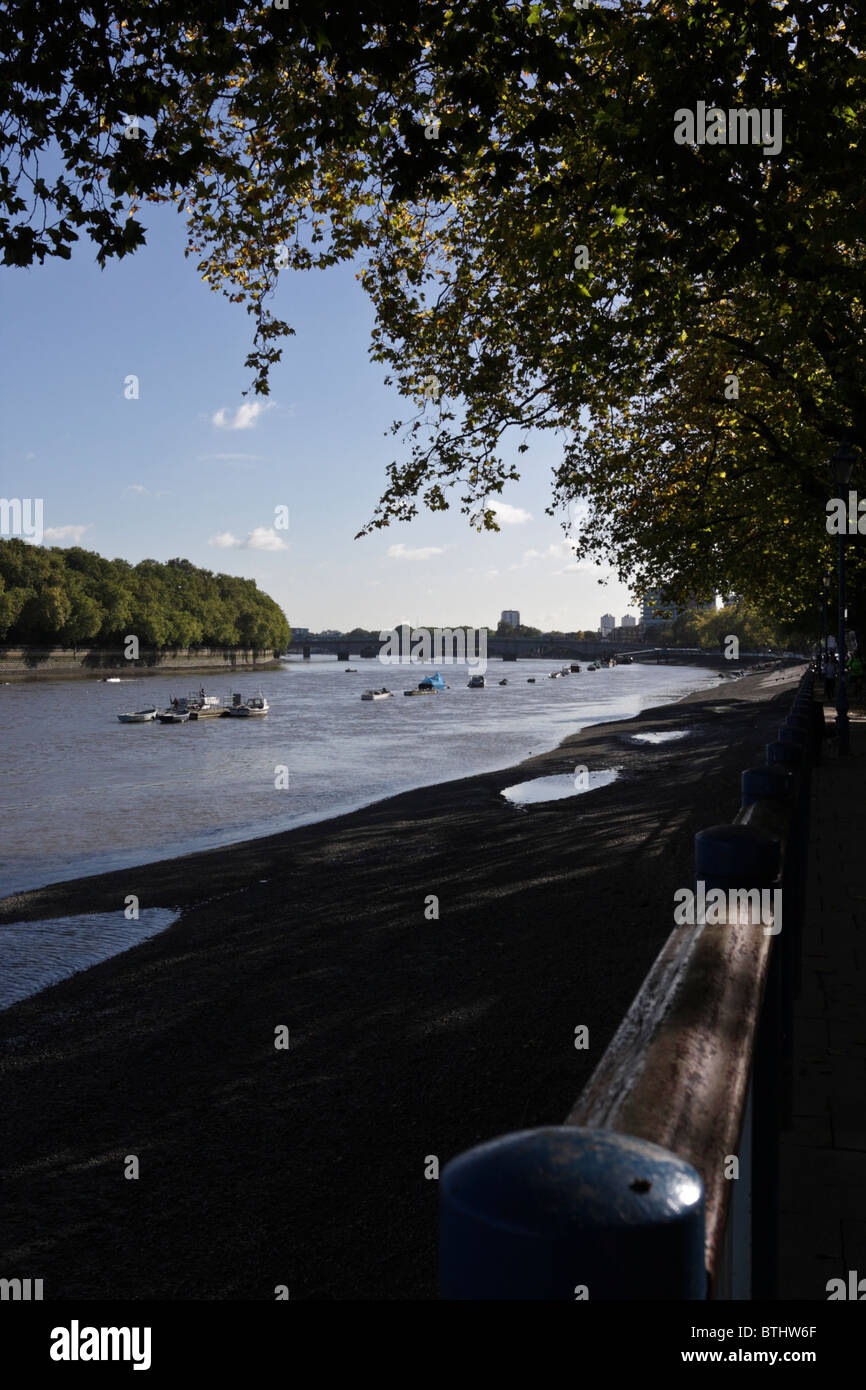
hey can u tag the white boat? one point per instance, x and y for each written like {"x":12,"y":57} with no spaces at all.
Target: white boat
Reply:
{"x":239,"y":708}
{"x":384,"y":694}
{"x":139,"y":716}
{"x":565,"y":671}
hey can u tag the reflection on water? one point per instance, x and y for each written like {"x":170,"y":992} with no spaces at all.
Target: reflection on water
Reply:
{"x":37,"y":954}
{"x":661,"y":736}
{"x":557,"y":787}
{"x":82,"y":793}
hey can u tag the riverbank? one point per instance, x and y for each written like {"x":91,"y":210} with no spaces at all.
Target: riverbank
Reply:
{"x":63,"y":663}
{"x":410,"y":1036}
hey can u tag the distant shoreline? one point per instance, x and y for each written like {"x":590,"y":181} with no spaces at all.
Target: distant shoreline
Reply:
{"x":62,"y":663}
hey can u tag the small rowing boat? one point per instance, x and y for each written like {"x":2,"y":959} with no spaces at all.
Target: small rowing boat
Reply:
{"x":384,"y":694}
{"x":138,"y":716}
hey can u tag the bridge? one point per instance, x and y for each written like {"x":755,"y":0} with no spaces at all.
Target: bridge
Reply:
{"x":344,"y":648}
{"x":500,"y":648}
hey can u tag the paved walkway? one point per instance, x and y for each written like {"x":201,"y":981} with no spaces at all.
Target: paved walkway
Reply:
{"x":823,"y":1155}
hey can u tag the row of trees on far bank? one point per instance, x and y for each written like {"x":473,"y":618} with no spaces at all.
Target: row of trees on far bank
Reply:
{"x":53,"y":597}
{"x":753,"y":631}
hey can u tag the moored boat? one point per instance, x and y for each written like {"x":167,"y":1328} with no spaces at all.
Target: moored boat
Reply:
{"x":476,"y":682}
{"x":201,"y":706}
{"x":176,"y":713}
{"x":255,"y":706}
{"x":384,"y":694}
{"x":434,"y":682}
{"x":138,"y":716}
{"x":576,"y":668}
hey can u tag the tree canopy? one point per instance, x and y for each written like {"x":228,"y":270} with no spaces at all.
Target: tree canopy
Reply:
{"x":75,"y":598}
{"x":541,"y":253}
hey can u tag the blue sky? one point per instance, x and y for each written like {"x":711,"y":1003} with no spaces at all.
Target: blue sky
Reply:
{"x":179,"y":472}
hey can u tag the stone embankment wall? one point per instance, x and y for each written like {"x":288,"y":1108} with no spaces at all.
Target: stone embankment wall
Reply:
{"x":34,"y":663}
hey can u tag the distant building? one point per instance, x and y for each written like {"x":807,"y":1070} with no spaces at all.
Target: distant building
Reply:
{"x":510,"y":617}
{"x":608,"y":623}
{"x":300,"y":632}
{"x":657,"y":610}
{"x":628,"y":620}
{"x":330,"y":632}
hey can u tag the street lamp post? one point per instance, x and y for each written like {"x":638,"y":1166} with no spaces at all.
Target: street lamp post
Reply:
{"x":840,"y":466}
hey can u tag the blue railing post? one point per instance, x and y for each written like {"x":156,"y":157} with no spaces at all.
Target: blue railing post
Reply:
{"x":568,"y":1213}
{"x":764,"y":784}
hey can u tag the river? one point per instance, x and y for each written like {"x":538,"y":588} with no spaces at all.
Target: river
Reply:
{"x":82,"y":793}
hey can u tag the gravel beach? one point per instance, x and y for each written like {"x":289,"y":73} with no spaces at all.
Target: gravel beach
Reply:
{"x":410,"y":1037}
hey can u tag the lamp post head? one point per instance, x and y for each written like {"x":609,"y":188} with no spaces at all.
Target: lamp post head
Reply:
{"x":840,"y":465}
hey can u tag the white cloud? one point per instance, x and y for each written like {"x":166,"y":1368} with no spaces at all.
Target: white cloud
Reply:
{"x":65,"y":533}
{"x":264,"y":538}
{"x":423,"y":552}
{"x":507,"y":515}
{"x":260,"y":538}
{"x":145,"y":491}
{"x":245,"y":416}
{"x":558,"y":551}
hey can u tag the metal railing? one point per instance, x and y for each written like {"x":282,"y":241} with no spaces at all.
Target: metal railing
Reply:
{"x":662,"y":1182}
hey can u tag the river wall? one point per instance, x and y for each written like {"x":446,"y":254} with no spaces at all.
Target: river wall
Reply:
{"x":40,"y":663}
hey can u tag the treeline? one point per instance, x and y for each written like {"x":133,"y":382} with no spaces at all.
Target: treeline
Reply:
{"x":753,"y":630}
{"x":74,"y":598}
